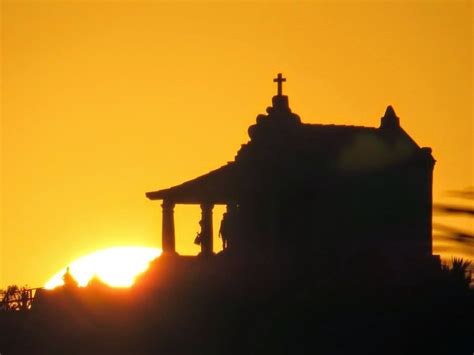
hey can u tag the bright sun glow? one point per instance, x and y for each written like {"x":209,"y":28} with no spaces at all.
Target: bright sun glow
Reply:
{"x":117,"y":266}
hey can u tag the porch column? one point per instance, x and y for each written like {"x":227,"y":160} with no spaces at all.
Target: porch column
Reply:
{"x":206,"y":229}
{"x":167,"y":233}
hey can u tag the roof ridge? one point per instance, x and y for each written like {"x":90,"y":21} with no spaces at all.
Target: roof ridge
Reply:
{"x":338,"y":125}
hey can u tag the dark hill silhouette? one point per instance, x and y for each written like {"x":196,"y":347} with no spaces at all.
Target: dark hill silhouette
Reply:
{"x":222,"y":305}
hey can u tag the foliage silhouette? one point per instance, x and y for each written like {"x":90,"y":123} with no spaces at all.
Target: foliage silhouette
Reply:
{"x":69,"y":280}
{"x":14,"y":298}
{"x":459,"y":272}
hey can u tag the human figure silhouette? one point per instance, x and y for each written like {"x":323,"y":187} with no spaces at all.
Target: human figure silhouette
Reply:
{"x":229,"y":226}
{"x":224,"y":229}
{"x":197,"y":240}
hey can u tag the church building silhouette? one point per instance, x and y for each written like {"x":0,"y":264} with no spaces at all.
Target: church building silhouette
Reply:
{"x":320,"y":190}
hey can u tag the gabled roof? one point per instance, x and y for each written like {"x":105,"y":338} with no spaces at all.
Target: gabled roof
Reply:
{"x":211,"y":187}
{"x":281,"y":147}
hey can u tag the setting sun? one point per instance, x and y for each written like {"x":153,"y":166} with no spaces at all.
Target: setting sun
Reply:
{"x":117,"y":266}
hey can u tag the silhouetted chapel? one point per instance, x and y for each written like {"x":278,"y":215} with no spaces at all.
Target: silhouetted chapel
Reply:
{"x":327,"y":190}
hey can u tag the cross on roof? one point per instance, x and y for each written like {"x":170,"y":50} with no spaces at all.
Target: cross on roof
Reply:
{"x":280,"y":80}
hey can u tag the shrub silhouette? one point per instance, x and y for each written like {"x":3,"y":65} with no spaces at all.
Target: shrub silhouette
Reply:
{"x":458,"y":273}
{"x":69,"y":280}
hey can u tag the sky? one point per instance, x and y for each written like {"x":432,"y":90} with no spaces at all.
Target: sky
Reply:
{"x":102,"y":101}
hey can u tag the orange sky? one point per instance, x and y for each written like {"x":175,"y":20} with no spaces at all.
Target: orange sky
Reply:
{"x":103,"y":101}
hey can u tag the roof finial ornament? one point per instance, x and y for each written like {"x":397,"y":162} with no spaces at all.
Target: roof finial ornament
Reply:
{"x":390,"y":119}
{"x":280,"y":80}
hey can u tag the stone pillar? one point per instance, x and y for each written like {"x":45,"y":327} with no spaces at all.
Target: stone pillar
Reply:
{"x":167,"y":233}
{"x":206,"y":229}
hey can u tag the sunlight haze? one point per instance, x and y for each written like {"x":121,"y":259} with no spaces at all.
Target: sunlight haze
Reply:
{"x":104,"y":101}
{"x":117,"y":267}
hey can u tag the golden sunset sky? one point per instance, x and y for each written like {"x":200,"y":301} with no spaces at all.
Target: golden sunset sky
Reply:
{"x":105,"y":100}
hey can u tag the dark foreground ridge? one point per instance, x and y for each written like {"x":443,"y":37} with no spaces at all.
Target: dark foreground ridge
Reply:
{"x":220,"y":305}
{"x":327,"y":250}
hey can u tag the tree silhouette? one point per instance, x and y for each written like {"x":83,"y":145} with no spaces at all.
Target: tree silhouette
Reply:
{"x":96,"y":282}
{"x":69,"y":280}
{"x":458,"y":273}
{"x":14,"y":298}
